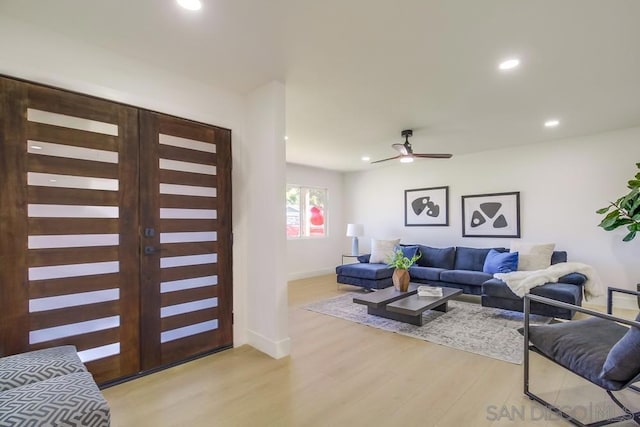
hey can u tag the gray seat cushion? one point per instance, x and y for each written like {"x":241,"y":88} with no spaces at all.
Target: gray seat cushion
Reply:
{"x":365,"y":271}
{"x":26,"y":368}
{"x":465,"y":277}
{"x":623,"y":361}
{"x":581,"y":346}
{"x":426,"y":273}
{"x":67,"y":400}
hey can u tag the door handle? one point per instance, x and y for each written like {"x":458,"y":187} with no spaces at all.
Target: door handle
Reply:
{"x":150,"y":250}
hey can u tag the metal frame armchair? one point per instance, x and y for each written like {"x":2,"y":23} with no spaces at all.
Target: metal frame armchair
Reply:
{"x":599,"y":349}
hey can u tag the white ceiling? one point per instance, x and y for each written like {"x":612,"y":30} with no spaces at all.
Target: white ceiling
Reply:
{"x":357,"y":72}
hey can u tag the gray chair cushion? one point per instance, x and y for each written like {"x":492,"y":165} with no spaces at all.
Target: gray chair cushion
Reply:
{"x":465,"y":277}
{"x":437,"y":257}
{"x":38,"y":365}
{"x":68,"y":400}
{"x":623,"y":361}
{"x":365,"y":271}
{"x":426,"y":273}
{"x":580,"y":346}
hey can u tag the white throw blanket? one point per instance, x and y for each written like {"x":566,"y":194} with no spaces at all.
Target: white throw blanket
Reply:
{"x":521,"y":282}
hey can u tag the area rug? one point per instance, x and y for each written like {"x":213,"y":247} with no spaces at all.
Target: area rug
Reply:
{"x":490,"y":332}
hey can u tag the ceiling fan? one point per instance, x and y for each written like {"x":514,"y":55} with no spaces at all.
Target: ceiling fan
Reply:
{"x":406,"y":152}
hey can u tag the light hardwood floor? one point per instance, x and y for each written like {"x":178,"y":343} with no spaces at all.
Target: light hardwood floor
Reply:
{"x":345,"y":374}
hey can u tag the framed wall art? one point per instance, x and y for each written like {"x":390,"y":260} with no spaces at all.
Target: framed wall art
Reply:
{"x":426,"y":207}
{"x":491,"y":215}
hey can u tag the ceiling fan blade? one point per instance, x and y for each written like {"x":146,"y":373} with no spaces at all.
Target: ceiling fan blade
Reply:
{"x":434,"y":156}
{"x":384,"y":160}
{"x":401,"y":148}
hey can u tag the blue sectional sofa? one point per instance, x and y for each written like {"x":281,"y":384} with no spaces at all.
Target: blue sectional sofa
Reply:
{"x":461,"y":267}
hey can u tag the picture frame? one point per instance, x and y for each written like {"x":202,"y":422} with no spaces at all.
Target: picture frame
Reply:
{"x":491,"y":215}
{"x":426,"y":207}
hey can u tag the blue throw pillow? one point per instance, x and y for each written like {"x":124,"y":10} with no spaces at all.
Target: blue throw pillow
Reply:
{"x":622,"y":362}
{"x":500,"y":262}
{"x":407,"y":251}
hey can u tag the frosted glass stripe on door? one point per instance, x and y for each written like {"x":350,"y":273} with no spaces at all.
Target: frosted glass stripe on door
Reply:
{"x":181,"y":285}
{"x":179,"y":261}
{"x":187,"y":331}
{"x":71,"y":122}
{"x":192,"y":144}
{"x":173,"y":213}
{"x":73,"y":270}
{"x":48,"y":334}
{"x":188,"y":307}
{"x":68,"y":181}
{"x":188,"y":190}
{"x":71,"y":152}
{"x":73,"y":241}
{"x":99,"y":352}
{"x":177,"y":165}
{"x":196,"y":236}
{"x":73,"y":300}
{"x":72,"y":211}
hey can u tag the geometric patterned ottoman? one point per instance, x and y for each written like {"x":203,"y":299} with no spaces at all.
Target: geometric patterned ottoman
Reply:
{"x":67,"y":400}
{"x":34,"y":366}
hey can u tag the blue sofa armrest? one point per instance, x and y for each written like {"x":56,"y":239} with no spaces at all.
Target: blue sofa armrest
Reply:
{"x":364,"y":258}
{"x":577,"y":279}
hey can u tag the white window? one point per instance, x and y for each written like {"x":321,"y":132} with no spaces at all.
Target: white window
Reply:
{"x":306,"y":212}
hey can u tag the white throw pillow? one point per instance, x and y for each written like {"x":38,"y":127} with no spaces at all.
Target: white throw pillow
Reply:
{"x":382,"y":250}
{"x":532,"y":256}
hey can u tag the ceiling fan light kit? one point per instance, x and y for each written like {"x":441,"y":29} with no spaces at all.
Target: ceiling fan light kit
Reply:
{"x":406,"y":151}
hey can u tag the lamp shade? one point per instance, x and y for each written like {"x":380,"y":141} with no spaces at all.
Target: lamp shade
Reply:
{"x":355,"y":230}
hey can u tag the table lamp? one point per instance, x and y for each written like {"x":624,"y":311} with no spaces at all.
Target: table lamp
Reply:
{"x":354,"y":230}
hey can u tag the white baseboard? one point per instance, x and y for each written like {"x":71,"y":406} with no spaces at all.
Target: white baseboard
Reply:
{"x":308,"y":274}
{"x":275,"y":349}
{"x":628,"y":302}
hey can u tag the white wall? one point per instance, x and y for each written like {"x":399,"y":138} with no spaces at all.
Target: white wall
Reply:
{"x":562,"y":183}
{"x":312,"y":256}
{"x":34,"y":54}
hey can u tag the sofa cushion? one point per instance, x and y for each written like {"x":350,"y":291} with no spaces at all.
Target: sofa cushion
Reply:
{"x":437,"y":257}
{"x":577,"y":279}
{"x":464,"y":277}
{"x":67,"y":400}
{"x":500,"y":262}
{"x":533,"y":256}
{"x":564,"y":292}
{"x":580,"y":346}
{"x":34,"y":366}
{"x":472,"y":258}
{"x":425,"y":273}
{"x":623,"y":360}
{"x":382,"y":250}
{"x":365,"y":271}
{"x":558,"y":256}
{"x":364,"y":258}
{"x":409,"y":251}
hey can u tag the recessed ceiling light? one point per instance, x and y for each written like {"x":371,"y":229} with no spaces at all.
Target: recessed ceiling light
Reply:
{"x":406,"y":159}
{"x":509,"y":64}
{"x":366,"y":158}
{"x":286,"y":138}
{"x":190,"y":4}
{"x":551,"y":123}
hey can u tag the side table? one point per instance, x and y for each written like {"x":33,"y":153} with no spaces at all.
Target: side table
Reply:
{"x":343,"y":258}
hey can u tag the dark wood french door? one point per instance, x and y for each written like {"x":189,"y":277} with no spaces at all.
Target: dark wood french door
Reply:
{"x":115,"y":231}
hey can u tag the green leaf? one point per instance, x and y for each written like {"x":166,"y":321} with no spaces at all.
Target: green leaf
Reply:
{"x":629,"y":237}
{"x":603,"y":210}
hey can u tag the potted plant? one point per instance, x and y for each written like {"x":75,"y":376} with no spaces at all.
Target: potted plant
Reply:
{"x":401,"y":264}
{"x":625,"y":211}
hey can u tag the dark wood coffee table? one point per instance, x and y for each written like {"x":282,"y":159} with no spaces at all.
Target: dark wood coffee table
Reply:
{"x":407,"y":306}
